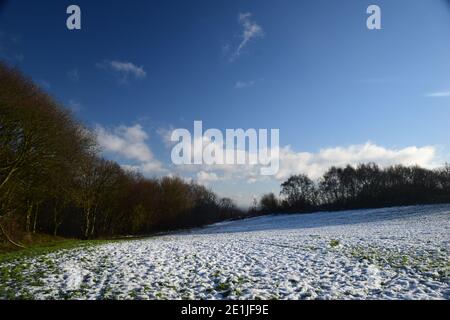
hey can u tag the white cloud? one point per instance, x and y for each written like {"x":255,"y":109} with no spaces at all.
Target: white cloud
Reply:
{"x":130,"y":143}
{"x":145,"y":168}
{"x":244,"y":84}
{"x":238,"y":177}
{"x":205,"y":178}
{"x":315,"y":164}
{"x":166,"y":133}
{"x":123,"y":69}
{"x":126,"y":141}
{"x":74,"y":105}
{"x":440,"y":94}
{"x":250,"y":30}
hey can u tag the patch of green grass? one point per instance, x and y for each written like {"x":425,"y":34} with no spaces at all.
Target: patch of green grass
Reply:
{"x":405,"y":260}
{"x":134,"y":294}
{"x":28,"y":267}
{"x":438,"y":264}
{"x":208,"y":290}
{"x":240,"y":280}
{"x":222,"y":286}
{"x":42,"y":249}
{"x":334,"y":243}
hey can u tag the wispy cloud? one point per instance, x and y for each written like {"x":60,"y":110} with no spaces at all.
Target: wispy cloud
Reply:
{"x":165,"y":133}
{"x":250,"y":30}
{"x":123,"y":69}
{"x":74,"y":105}
{"x":129,"y":143}
{"x":244,"y":84}
{"x":205,"y":178}
{"x":438,"y":94}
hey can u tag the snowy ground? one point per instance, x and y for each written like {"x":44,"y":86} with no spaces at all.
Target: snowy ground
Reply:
{"x":398,"y":253}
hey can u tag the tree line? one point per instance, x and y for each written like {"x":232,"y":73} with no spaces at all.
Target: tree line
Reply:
{"x":360,"y":187}
{"x":53,"y":179}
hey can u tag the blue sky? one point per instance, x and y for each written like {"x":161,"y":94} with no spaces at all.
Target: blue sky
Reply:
{"x":337,"y":91}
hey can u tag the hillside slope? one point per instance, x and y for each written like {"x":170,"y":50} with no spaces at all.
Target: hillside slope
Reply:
{"x":393,"y":253}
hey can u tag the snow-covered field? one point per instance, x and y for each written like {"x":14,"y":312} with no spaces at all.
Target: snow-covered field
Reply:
{"x":397,"y":253}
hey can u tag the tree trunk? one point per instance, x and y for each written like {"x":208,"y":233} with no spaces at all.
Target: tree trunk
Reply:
{"x":55,"y":230}
{"x":88,"y":222}
{"x":28,"y":222}
{"x":94,"y":216}
{"x":93,"y":227}
{"x":10,"y":174}
{"x":36,"y":213}
{"x":56,"y":224}
{"x":2,"y":229}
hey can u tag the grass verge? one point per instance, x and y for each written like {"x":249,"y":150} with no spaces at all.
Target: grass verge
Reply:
{"x":34,"y":250}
